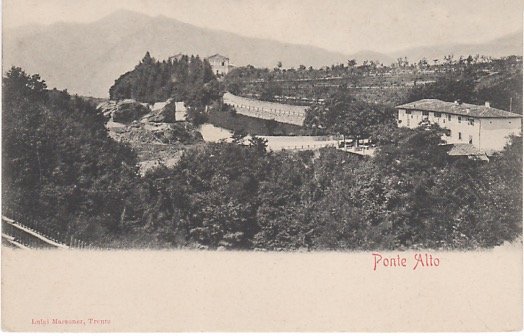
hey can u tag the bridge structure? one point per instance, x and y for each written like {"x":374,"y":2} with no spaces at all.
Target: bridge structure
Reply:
{"x":18,"y":235}
{"x":284,"y":113}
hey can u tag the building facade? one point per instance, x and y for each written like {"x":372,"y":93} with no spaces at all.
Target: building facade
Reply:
{"x":484,"y":127}
{"x":219,"y":64}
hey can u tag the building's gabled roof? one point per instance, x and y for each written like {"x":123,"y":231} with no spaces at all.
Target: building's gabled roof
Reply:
{"x":218,"y":56}
{"x":466,"y":149}
{"x":176,"y":57}
{"x":463,"y":149}
{"x":469,"y":110}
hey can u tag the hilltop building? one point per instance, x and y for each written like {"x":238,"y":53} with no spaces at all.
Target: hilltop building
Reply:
{"x":176,"y":57}
{"x":219,"y":64}
{"x":484,"y":127}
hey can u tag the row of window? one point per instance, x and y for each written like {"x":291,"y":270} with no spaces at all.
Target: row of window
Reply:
{"x":470,"y":121}
{"x":448,"y":132}
{"x":470,"y":140}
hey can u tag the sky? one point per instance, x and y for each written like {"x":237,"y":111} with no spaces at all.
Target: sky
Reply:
{"x":346,"y":26}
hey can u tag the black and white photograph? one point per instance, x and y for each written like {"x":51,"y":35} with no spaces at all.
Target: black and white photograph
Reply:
{"x":233,"y":164}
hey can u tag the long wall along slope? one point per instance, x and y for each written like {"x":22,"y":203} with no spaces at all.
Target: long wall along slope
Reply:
{"x":291,"y":114}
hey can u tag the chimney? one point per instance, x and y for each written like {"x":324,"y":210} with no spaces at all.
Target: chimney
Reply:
{"x":487,"y":104}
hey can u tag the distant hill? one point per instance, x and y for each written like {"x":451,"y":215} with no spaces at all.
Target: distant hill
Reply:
{"x":510,"y":44}
{"x":86,"y":58}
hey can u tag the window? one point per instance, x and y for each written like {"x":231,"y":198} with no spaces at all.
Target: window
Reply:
{"x":223,"y":63}
{"x":424,"y":113}
{"x":460,"y":135}
{"x":400,"y":121}
{"x":459,"y":119}
{"x":448,"y":132}
{"x":471,"y":121}
{"x":449,"y":117}
{"x":470,"y":139}
{"x":437,"y":114}
{"x":408,"y":112}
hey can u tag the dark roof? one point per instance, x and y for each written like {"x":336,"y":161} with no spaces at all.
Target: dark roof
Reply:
{"x":177,"y":56}
{"x":465,"y":149}
{"x":469,"y":110}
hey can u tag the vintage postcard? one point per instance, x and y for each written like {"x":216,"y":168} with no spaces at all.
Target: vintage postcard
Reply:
{"x":264,"y":166}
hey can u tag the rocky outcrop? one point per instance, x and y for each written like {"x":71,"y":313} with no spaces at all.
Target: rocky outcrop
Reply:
{"x":106,"y":108}
{"x":129,"y":110}
{"x":152,"y":133}
{"x":124,"y":111}
{"x":156,"y":143}
{"x":184,"y":133}
{"x":163,"y":112}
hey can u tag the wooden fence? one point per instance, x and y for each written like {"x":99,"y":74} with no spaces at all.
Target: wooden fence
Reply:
{"x":18,"y":235}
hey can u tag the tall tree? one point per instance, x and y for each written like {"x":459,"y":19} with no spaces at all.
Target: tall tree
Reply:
{"x":60,"y":169}
{"x":343,"y":114}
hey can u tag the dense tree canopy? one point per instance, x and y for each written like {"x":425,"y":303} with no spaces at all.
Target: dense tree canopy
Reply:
{"x":447,"y":89}
{"x":61,"y":170}
{"x":188,"y":79}
{"x":410,"y":194}
{"x":59,"y":167}
{"x":346,"y":115}
{"x":503,"y":90}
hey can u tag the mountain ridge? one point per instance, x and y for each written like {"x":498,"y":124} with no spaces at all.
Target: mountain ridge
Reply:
{"x":509,"y":44}
{"x":86,"y":58}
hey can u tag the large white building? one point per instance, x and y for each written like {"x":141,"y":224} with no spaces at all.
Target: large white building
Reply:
{"x":484,"y":127}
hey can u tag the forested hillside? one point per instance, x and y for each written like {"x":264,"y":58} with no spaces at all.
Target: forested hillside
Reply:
{"x":411,"y":194}
{"x":62,"y":171}
{"x":473,"y":79}
{"x":501,"y":85}
{"x":59,"y":168}
{"x":188,"y":79}
{"x":342,"y":113}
